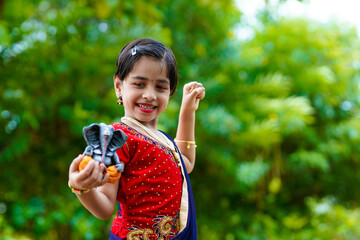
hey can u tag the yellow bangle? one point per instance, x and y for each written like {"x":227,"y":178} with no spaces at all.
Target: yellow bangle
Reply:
{"x":77,"y":191}
{"x":188,"y":143}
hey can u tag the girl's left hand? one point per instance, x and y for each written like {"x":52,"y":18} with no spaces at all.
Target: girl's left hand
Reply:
{"x":193,"y":93}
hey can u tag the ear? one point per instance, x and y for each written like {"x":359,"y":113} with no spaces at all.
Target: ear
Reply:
{"x":117,"y":86}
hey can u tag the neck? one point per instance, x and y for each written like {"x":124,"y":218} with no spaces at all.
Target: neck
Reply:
{"x":157,"y":136}
{"x":143,"y":127}
{"x":152,"y":125}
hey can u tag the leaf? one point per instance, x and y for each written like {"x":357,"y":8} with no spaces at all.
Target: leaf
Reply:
{"x":311,"y":159}
{"x":261,"y":134}
{"x":275,"y":185}
{"x":219,"y":121}
{"x":250,"y":173}
{"x":272,"y":85}
{"x":4,"y":37}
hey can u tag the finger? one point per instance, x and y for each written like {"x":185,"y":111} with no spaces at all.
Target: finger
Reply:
{"x":196,"y":85}
{"x":84,"y":174}
{"x":74,"y":166}
{"x":199,"y":85}
{"x":190,"y":86}
{"x":187,"y":89}
{"x":202,"y":93}
{"x":102,"y":167}
{"x":196,"y":93}
{"x":105,"y":179}
{"x":96,"y":177}
{"x":102,"y":171}
{"x":101,"y":176}
{"x":95,"y":173}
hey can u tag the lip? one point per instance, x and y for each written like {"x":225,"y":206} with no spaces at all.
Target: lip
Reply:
{"x":146,"y":108}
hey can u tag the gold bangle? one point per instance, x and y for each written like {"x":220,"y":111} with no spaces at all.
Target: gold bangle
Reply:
{"x":188,"y":143}
{"x":77,"y":191}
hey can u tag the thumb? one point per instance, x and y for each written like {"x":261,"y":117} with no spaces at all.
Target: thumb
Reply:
{"x":201,"y":93}
{"x":75,"y":164}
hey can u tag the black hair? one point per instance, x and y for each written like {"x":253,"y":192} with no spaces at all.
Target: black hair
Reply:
{"x":133,"y":51}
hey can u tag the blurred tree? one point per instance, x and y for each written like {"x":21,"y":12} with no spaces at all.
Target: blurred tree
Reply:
{"x":286,"y":128}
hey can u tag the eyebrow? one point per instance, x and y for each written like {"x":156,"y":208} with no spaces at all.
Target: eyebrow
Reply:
{"x":161,"y":80}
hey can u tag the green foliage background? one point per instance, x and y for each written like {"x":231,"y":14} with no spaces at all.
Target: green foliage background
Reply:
{"x":278,"y":133}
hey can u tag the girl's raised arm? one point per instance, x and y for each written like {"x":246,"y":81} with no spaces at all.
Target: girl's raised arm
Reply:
{"x":185,"y":136}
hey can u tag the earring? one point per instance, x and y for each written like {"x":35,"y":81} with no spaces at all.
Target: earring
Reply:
{"x":120,"y":101}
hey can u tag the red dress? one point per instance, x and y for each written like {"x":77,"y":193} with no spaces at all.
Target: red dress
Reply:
{"x":150,"y":189}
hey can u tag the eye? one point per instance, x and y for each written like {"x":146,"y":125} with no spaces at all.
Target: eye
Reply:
{"x":139,"y":84}
{"x":161,"y":87}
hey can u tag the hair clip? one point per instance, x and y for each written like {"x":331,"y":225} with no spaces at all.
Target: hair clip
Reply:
{"x":133,"y":51}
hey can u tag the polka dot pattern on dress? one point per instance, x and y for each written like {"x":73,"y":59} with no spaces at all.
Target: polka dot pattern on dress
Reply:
{"x":151,"y":184}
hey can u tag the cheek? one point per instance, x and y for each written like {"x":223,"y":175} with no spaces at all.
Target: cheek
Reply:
{"x":164,"y":102}
{"x":126,"y":100}
{"x":129,"y":95}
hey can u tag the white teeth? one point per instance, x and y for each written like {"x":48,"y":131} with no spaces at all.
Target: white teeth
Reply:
{"x":146,"y":107}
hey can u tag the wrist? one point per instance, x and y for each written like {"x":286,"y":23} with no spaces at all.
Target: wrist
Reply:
{"x":77,"y":190}
{"x":187,"y":112}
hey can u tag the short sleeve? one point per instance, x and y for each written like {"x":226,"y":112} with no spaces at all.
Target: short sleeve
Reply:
{"x":123,"y":153}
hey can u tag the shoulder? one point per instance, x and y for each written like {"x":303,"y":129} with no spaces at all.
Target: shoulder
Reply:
{"x":125,"y":128}
{"x":118,"y":125}
{"x":133,"y":140}
{"x":166,"y":135}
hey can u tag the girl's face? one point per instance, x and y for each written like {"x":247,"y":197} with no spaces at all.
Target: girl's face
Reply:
{"x":145,"y":91}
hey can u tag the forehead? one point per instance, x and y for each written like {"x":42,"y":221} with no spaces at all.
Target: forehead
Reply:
{"x":150,"y":67}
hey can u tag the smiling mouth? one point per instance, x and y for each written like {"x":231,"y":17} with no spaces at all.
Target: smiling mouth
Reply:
{"x":146,"y":107}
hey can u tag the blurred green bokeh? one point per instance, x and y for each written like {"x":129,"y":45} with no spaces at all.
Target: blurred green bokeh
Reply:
{"x":278,"y":133}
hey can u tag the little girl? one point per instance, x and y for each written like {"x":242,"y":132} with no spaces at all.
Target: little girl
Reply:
{"x":154,"y":190}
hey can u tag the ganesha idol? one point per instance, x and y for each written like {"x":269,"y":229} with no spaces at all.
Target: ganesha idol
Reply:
{"x":102,"y":142}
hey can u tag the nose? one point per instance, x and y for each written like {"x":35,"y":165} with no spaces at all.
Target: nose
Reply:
{"x":149,"y":94}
